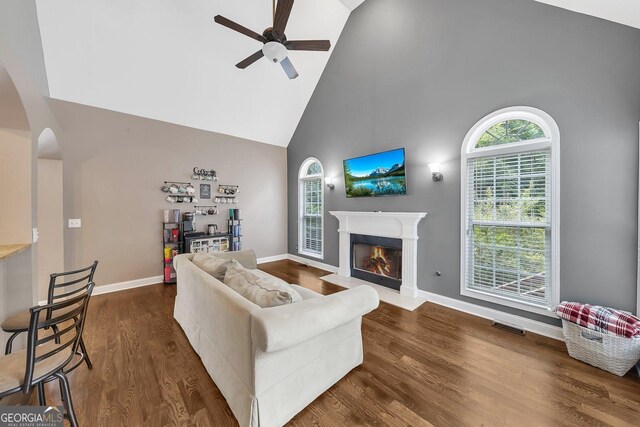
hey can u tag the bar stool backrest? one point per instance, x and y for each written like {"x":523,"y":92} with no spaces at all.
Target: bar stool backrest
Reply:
{"x":69,"y":283}
{"x":64,"y":322}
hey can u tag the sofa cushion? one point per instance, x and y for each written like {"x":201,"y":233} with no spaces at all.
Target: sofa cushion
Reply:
{"x":215,"y":266}
{"x":265,"y":291}
{"x":268,"y":277}
{"x":246,"y":258}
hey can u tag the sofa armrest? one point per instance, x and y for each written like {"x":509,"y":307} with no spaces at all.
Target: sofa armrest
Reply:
{"x":277,"y":328}
{"x":179,"y":259}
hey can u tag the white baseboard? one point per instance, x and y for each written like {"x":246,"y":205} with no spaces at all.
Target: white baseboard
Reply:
{"x":272,"y":258}
{"x":138,"y":283}
{"x":312,"y":263}
{"x":301,"y":260}
{"x":121,"y":286}
{"x":534,"y":326}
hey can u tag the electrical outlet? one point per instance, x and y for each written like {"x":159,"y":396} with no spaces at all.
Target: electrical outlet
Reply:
{"x":35,"y":235}
{"x":75,"y":223}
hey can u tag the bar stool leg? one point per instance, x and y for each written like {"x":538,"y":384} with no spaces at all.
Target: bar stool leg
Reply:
{"x":85,"y":353}
{"x":42,"y":399}
{"x":66,"y":393}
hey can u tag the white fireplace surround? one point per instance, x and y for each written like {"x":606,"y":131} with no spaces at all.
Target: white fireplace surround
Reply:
{"x":398,"y":225}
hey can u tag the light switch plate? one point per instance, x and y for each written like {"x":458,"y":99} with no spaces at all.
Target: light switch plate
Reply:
{"x":35,"y":235}
{"x":75,"y":223}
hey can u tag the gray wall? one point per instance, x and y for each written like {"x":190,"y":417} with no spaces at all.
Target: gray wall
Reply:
{"x":420,"y":73}
{"x":114,"y":166}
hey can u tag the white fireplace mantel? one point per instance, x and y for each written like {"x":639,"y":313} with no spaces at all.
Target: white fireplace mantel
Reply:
{"x":398,"y":225}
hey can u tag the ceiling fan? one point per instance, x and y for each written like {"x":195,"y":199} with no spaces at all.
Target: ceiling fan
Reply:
{"x":275,"y":44}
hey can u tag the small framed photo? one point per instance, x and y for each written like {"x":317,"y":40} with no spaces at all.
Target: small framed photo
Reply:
{"x":205,"y":191}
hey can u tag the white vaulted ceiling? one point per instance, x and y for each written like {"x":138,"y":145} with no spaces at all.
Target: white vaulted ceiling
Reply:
{"x":167,"y":60}
{"x":622,"y":11}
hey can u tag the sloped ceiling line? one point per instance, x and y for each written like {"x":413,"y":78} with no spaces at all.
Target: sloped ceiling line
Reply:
{"x":168,"y":61}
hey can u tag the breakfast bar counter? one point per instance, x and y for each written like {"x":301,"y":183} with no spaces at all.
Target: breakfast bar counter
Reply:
{"x":9,"y":250}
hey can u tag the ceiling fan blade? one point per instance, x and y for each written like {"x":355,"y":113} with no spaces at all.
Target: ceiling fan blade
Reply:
{"x":250,"y":60}
{"x":322,"y":45}
{"x":288,"y":68}
{"x":283,"y":10}
{"x":239,"y":28}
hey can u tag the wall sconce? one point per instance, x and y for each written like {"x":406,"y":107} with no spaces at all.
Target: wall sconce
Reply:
{"x":329,"y":181}
{"x":435,"y":172}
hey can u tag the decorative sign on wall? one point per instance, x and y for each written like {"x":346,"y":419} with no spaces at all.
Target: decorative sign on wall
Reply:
{"x":204,"y":174}
{"x":205,"y":191}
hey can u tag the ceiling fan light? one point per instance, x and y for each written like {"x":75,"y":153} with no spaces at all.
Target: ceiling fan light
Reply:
{"x":274,"y":51}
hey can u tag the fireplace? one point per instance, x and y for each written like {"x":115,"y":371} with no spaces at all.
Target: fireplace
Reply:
{"x":377,"y":260}
{"x":393,"y":225}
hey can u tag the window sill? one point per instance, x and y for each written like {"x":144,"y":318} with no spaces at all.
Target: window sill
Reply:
{"x":311,"y":254}
{"x":544,"y":311}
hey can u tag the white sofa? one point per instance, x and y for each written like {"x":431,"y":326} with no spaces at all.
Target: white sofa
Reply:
{"x":269,"y":363}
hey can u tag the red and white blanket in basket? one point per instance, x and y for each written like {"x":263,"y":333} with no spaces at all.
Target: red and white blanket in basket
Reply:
{"x":600,"y":319}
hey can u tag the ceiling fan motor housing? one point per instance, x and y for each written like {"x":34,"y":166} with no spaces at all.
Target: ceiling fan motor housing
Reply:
{"x":274,"y":51}
{"x":275,"y":44}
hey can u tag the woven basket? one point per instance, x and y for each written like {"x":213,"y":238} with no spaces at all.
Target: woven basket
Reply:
{"x":609,"y":352}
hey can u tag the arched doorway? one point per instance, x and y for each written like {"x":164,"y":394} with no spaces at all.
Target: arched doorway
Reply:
{"x":50,"y":211}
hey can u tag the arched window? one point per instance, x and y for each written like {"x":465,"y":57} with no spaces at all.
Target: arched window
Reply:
{"x":510,"y":218}
{"x":311,"y":208}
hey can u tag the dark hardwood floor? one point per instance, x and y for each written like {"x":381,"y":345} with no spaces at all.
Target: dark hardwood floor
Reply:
{"x":434,"y":366}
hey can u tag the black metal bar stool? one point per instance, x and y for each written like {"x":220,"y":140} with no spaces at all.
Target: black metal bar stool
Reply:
{"x":61,"y":287}
{"x":48,"y":353}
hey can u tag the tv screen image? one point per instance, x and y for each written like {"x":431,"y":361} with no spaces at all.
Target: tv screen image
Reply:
{"x":380,"y":174}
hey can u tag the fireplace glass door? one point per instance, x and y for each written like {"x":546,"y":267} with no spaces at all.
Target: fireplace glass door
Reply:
{"x":379,"y":260}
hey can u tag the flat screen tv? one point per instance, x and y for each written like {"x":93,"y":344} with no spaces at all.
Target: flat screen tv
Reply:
{"x":380,"y":174}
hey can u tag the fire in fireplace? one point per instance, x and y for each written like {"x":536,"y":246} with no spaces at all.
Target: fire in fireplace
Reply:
{"x":377,"y":260}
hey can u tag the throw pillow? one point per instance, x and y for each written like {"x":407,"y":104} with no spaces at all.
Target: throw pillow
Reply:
{"x":217,"y":267}
{"x":259,"y":289}
{"x":269,"y":278}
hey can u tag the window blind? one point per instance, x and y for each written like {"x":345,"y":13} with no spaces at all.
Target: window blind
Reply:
{"x":508,"y":243}
{"x":312,"y":215}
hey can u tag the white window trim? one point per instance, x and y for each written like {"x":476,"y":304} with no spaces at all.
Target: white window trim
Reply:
{"x":301,"y":178}
{"x":552,"y":132}
{"x":638,"y":276}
